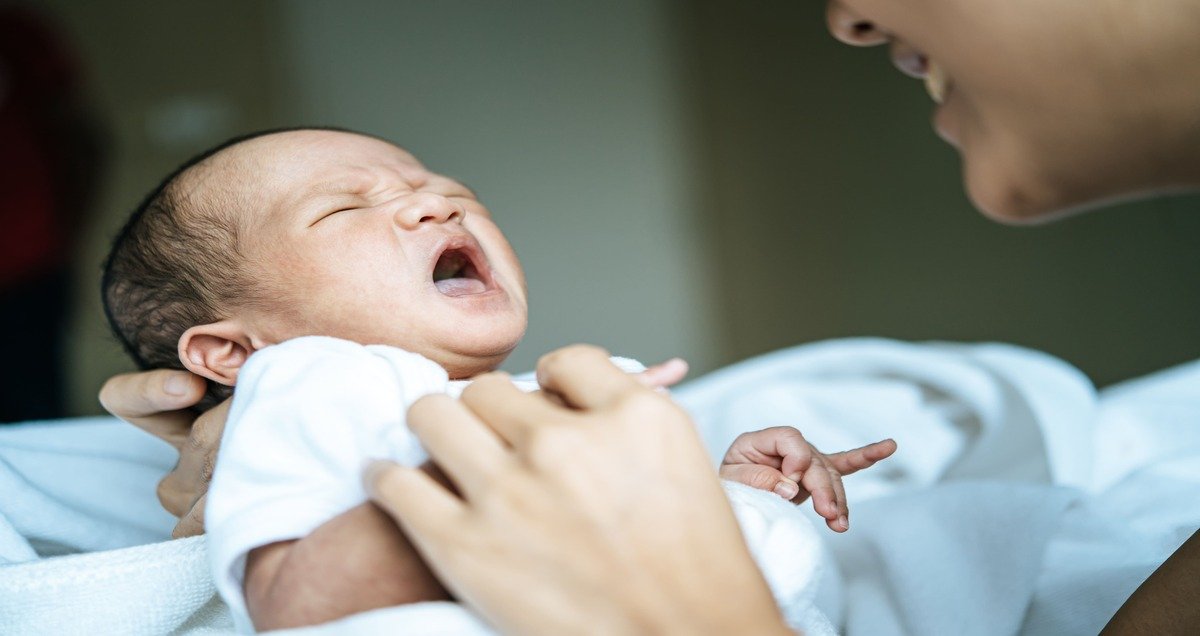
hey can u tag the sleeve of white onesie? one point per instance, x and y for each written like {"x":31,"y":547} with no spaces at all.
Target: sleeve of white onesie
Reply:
{"x":307,"y":415}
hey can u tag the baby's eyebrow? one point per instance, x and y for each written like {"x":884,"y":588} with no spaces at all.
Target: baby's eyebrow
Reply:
{"x":341,"y":185}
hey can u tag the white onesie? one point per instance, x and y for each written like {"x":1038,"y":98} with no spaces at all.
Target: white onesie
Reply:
{"x":307,"y":416}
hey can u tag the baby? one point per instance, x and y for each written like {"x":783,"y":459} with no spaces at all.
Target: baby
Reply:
{"x":335,"y":280}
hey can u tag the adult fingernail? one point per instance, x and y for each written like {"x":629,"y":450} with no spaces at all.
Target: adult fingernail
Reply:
{"x":176,"y":384}
{"x":844,"y":522}
{"x":786,"y":489}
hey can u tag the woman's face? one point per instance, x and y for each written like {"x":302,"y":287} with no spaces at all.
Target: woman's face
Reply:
{"x":1045,"y":99}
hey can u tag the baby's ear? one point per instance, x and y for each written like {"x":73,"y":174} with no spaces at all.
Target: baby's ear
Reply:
{"x":216,"y":350}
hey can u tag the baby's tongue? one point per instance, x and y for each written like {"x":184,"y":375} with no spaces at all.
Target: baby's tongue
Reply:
{"x":460,"y":286}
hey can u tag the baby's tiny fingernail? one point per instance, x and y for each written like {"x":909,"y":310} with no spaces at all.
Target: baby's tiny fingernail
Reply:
{"x":795,"y":477}
{"x":176,"y":384}
{"x":786,"y":489}
{"x":844,"y":522}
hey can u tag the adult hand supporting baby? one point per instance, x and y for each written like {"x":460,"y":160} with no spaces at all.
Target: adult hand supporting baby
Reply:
{"x":158,"y":403}
{"x":599,"y":514}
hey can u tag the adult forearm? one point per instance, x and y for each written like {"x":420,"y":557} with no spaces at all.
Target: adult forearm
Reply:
{"x":355,"y":562}
{"x":1166,"y":603}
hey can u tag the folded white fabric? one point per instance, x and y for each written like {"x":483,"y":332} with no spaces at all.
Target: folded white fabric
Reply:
{"x":84,"y":542}
{"x":1019,"y":501}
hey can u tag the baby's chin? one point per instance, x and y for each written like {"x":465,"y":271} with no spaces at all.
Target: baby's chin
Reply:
{"x":467,"y":358}
{"x":462,"y":367}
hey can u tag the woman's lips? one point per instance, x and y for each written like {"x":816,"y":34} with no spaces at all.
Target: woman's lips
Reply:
{"x":916,"y":64}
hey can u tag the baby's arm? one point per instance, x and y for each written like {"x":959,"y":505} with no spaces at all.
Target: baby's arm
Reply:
{"x":780,"y":460}
{"x":355,"y":562}
{"x":292,"y":539}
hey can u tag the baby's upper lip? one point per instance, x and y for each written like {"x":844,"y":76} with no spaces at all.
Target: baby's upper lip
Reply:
{"x":467,"y":245}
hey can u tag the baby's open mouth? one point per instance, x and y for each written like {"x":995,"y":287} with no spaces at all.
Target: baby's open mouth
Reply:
{"x":457,"y":272}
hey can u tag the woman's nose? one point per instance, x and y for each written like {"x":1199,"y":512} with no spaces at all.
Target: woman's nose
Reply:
{"x":851,"y":28}
{"x":426,"y":208}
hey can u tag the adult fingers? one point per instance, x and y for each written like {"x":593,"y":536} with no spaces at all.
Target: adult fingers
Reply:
{"x":204,"y":438}
{"x":192,"y":523}
{"x":510,"y":412}
{"x":461,"y":446}
{"x":664,"y":374}
{"x":584,"y":377}
{"x":153,"y":401}
{"x":181,"y":489}
{"x":422,"y":506}
{"x":852,"y":461}
{"x":431,"y":469}
{"x":176,"y":493}
{"x":762,"y":478}
{"x":198,"y":455}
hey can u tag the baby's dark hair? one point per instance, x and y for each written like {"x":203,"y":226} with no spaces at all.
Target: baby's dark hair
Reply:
{"x":174,"y":265}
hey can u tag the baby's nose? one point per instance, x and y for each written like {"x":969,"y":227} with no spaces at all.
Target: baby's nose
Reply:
{"x":424,"y":207}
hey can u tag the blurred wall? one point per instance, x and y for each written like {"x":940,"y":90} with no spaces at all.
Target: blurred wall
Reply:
{"x":169,"y":79}
{"x":712,"y":179}
{"x":564,"y":117}
{"x":834,"y":210}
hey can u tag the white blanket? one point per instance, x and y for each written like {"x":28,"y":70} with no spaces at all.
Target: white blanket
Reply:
{"x":1019,"y":500}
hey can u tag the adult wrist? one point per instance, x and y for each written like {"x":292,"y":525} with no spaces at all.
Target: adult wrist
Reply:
{"x":717,"y":604}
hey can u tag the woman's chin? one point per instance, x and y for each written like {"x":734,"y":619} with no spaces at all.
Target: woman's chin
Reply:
{"x":1017,"y":201}
{"x":1012,"y":191}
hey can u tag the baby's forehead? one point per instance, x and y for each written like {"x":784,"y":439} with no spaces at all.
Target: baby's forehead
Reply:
{"x":306,"y":155}
{"x":263,"y":170}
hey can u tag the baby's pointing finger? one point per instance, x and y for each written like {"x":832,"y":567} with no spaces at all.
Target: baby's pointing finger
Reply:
{"x":852,"y":461}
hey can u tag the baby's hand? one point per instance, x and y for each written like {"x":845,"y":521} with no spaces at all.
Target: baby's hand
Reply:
{"x":780,"y":460}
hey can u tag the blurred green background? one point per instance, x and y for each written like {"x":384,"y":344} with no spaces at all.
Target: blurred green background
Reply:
{"x":707,"y":179}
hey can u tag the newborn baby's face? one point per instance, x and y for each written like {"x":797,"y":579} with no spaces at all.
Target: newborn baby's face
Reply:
{"x":357,"y":240}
